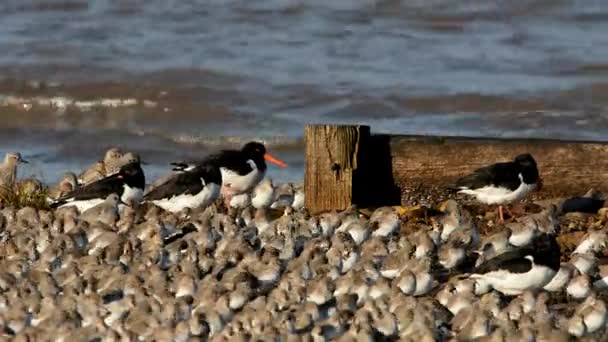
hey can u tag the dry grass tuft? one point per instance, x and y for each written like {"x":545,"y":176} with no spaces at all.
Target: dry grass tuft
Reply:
{"x":26,"y":193}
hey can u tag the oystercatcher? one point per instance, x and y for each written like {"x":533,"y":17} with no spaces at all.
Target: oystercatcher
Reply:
{"x":241,"y":169}
{"x":502,"y":183}
{"x":193,"y":188}
{"x":516,"y":271}
{"x":128,"y":183}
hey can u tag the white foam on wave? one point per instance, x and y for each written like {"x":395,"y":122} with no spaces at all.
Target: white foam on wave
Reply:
{"x":63,"y":102}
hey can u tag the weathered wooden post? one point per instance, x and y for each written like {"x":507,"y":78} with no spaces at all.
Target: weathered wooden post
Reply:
{"x":332,"y":157}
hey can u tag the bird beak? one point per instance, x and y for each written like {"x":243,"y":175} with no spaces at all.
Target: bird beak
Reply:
{"x":23,"y":161}
{"x":274,"y":160}
{"x":539,"y":184}
{"x":143,"y":162}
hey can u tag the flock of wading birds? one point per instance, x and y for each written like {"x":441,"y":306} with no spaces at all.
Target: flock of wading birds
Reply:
{"x":114,"y":263}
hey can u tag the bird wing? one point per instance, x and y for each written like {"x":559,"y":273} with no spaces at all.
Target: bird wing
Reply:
{"x":98,"y":189}
{"x":181,"y":166}
{"x":505,"y":175}
{"x":184,"y":183}
{"x":582,"y":204}
{"x":512,"y":261}
{"x":232,"y":160}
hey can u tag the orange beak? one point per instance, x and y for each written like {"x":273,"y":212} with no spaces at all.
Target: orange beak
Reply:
{"x":274,"y":160}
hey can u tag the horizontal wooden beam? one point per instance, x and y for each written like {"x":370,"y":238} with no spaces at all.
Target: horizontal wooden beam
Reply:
{"x":386,"y":168}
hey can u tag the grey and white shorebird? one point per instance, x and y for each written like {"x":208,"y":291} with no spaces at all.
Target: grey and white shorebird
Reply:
{"x":493,"y":245}
{"x":130,"y":157}
{"x":106,"y":212}
{"x":528,"y":228}
{"x":561,"y":278}
{"x":240,"y":201}
{"x":8,"y":169}
{"x":589,"y":317}
{"x":92,"y":174}
{"x":585,"y":258}
{"x":112,"y":161}
{"x":454,"y":218}
{"x":579,"y":286}
{"x":502,"y":183}
{"x":110,"y":164}
{"x":68,"y":183}
{"x":521,"y":269}
{"x":284,"y":194}
{"x":113,"y":164}
{"x":451,"y":254}
{"x":602,"y":274}
{"x":263,"y":194}
{"x":128,"y":183}
{"x":193,"y":188}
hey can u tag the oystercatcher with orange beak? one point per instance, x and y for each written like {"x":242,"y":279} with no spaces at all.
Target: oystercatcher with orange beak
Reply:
{"x":241,"y":169}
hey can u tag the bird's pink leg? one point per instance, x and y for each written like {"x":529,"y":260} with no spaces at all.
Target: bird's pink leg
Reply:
{"x":227,"y":197}
{"x":500,"y":215}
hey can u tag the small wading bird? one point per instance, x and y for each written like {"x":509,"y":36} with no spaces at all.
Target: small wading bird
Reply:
{"x":241,"y":170}
{"x":8,"y":169}
{"x":502,"y":183}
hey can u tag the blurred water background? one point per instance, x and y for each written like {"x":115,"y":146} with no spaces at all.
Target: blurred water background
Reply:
{"x":175,"y":79}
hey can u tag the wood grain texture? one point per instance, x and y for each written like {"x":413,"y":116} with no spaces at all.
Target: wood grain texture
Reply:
{"x":332,"y":154}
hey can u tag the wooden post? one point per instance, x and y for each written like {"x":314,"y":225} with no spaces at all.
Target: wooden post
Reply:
{"x":332,"y":156}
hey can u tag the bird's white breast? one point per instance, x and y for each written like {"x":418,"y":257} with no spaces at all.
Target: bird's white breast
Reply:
{"x":131,"y":195}
{"x":516,"y":283}
{"x":234,"y":183}
{"x":498,"y":195}
{"x":262,"y":198}
{"x":298,"y":200}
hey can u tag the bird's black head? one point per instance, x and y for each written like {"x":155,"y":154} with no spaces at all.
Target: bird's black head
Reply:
{"x":211,"y":174}
{"x":133,"y":175}
{"x":528,"y":168}
{"x":257,"y":152}
{"x":254,"y":148}
{"x":547,"y":251}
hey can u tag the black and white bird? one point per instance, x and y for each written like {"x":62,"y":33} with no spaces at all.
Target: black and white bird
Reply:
{"x":128,"y":183}
{"x":241,"y":169}
{"x":192,"y":188}
{"x":516,"y":271}
{"x":502,"y":183}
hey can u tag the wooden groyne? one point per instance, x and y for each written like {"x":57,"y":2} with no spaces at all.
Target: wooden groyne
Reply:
{"x":347,"y":164}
